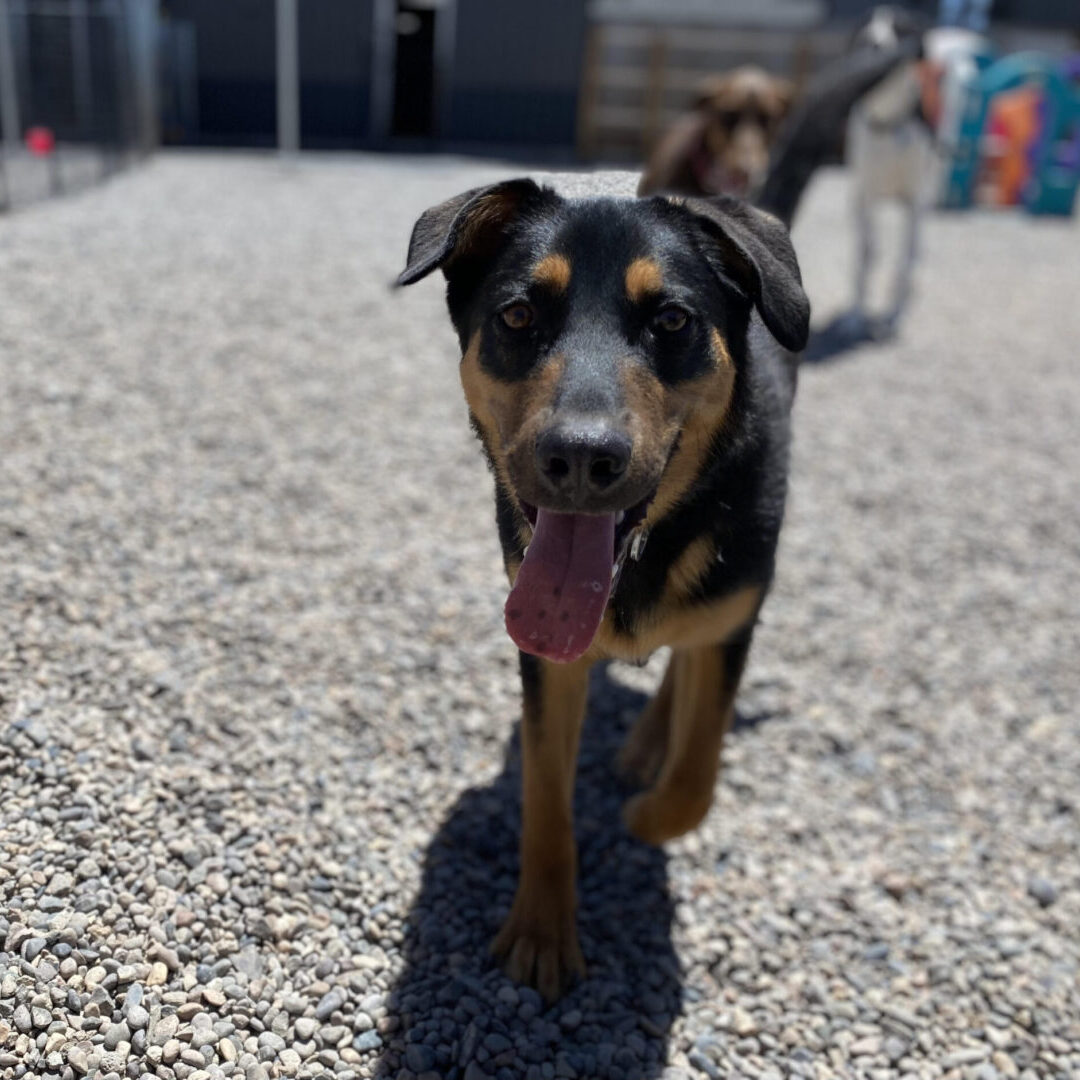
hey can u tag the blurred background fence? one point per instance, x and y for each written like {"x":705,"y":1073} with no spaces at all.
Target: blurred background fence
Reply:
{"x":78,"y":92}
{"x":87,"y":86}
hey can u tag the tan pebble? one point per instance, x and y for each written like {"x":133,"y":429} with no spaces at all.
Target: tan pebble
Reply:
{"x":866,"y":1046}
{"x":159,"y":974}
{"x":742,"y":1023}
{"x":166,"y":1028}
{"x":1004,"y":1064}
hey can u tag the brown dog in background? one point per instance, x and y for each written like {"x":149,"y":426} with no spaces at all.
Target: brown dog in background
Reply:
{"x":722,"y":146}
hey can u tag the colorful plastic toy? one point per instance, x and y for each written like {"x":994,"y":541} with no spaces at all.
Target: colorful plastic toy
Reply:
{"x":1054,"y":172}
{"x":1055,"y":157}
{"x":1013,"y":126}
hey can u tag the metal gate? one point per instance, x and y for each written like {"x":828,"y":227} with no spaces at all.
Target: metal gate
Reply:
{"x":77,"y":92}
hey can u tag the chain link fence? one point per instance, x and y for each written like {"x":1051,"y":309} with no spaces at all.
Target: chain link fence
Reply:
{"x":78,"y":93}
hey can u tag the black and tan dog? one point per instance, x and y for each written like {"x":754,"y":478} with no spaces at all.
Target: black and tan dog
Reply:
{"x":629,"y":368}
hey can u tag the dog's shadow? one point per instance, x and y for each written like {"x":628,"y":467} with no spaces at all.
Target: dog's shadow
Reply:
{"x":459,"y":1015}
{"x":844,"y":334}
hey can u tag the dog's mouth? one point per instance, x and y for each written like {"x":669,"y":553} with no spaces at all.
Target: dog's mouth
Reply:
{"x":571,"y":568}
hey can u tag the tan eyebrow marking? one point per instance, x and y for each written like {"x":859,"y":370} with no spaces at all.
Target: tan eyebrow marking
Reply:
{"x":643,"y":278}
{"x":554,"y":272}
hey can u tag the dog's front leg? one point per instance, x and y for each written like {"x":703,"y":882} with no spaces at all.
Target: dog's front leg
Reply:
{"x":538,"y":942}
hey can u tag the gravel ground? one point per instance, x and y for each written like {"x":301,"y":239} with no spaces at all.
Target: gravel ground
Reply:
{"x":259,"y":813}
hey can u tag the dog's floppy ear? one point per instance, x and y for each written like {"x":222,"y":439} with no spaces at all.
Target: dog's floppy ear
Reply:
{"x":471,"y":223}
{"x":757,"y":253}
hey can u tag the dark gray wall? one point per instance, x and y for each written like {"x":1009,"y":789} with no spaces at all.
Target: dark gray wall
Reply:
{"x":516,"y":69}
{"x":235,"y":44}
{"x":335,"y":72}
{"x":235,"y":50}
{"x":516,"y":72}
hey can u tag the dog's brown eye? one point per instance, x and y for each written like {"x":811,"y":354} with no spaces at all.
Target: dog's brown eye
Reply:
{"x":517,"y":316}
{"x":671,"y":319}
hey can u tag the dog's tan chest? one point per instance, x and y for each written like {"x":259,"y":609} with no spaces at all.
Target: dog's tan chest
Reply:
{"x":679,"y":624}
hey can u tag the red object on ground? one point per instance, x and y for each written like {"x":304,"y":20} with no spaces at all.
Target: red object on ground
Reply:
{"x":40,"y":141}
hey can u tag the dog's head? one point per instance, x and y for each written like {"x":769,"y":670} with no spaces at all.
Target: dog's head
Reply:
{"x":886,"y":27}
{"x":743,"y":110}
{"x":896,"y":98}
{"x":604,"y":343}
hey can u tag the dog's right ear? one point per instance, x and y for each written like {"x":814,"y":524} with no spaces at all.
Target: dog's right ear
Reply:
{"x":468,"y":226}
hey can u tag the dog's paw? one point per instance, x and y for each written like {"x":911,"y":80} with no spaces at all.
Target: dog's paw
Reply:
{"x":540,"y":948}
{"x":658,"y":816}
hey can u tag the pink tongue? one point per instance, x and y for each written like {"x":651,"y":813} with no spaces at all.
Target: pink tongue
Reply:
{"x":561,"y":590}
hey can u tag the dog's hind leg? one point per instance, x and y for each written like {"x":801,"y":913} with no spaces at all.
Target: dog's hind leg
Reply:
{"x":906,"y":270}
{"x":642,"y":753}
{"x":538,"y":943}
{"x":703,"y":698}
{"x":854,"y":324}
{"x":864,"y":257}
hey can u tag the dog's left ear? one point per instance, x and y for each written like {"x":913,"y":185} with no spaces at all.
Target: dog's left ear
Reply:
{"x":471,"y":224}
{"x":756,"y":251}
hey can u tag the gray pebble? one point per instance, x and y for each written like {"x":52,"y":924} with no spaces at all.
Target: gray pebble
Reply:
{"x":328,"y":1004}
{"x":272,"y":1041}
{"x":369,"y":1040}
{"x":569,"y":1021}
{"x":32,"y":946}
{"x":137,"y":1017}
{"x":1042,"y":889}
{"x":116,"y":1034}
{"x":419,"y":1058}
{"x":22,"y":1019}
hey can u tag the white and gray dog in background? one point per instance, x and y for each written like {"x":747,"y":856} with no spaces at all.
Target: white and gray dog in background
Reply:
{"x":890,"y":151}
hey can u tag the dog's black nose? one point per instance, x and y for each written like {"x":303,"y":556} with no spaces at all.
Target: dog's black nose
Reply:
{"x":582,"y":459}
